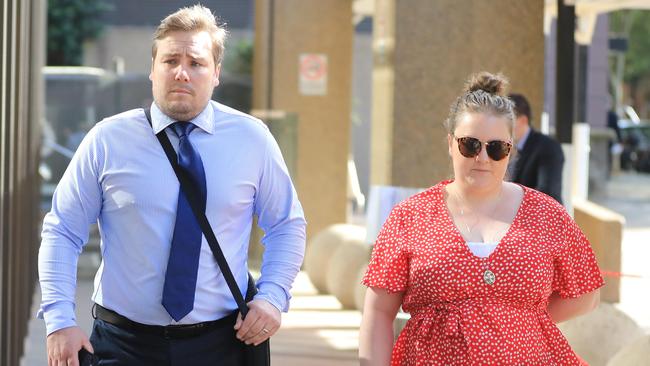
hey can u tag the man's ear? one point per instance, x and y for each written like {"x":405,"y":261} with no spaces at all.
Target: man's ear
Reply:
{"x":217,"y":72}
{"x":151,"y":71}
{"x":523,"y":120}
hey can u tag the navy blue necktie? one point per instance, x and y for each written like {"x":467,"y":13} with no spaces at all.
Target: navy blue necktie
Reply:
{"x":183,"y":264}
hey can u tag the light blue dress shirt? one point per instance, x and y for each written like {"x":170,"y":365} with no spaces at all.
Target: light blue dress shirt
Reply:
{"x":121,"y":178}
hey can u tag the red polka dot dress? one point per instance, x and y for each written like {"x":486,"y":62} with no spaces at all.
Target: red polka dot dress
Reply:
{"x":457,"y":318}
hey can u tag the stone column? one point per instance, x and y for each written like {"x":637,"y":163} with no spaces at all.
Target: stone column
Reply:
{"x":424,"y":52}
{"x":317,"y":90}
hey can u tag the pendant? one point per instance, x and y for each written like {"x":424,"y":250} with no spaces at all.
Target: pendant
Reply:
{"x":489,"y":277}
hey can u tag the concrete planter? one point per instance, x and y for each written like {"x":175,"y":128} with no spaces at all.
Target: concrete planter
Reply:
{"x":597,"y":336}
{"x":321,"y":248}
{"x":348,"y":260}
{"x":637,"y":353}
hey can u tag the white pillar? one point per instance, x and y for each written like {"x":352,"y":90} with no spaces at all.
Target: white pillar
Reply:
{"x":567,"y":178}
{"x":575,"y":174}
{"x":581,"y":148}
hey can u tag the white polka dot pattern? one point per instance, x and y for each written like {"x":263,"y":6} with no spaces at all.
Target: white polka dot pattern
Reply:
{"x":458,"y":319}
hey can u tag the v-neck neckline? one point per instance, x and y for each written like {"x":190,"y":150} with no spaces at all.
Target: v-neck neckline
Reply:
{"x":459,"y":235}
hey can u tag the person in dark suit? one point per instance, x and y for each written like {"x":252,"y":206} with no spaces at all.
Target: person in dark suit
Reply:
{"x":539,"y":160}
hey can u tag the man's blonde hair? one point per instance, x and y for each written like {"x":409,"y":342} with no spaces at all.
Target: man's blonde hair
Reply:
{"x":190,"y":19}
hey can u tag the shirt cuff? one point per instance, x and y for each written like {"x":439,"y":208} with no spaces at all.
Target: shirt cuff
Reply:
{"x":274,"y":294}
{"x":58,"y":316}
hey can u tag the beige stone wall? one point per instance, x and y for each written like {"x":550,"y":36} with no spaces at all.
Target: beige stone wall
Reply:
{"x":604,"y":229}
{"x":309,"y":26}
{"x":383,"y":87}
{"x":438,"y":44}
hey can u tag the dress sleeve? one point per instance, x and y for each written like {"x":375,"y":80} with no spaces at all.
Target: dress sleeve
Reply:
{"x":389,"y":265}
{"x":576,"y":270}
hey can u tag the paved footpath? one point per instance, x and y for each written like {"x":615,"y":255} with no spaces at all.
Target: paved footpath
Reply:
{"x":629,"y":195}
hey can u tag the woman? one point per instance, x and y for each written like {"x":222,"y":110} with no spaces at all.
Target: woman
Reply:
{"x":485,"y":267}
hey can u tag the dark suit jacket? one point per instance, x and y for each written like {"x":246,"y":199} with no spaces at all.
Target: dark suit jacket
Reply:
{"x":539,"y":165}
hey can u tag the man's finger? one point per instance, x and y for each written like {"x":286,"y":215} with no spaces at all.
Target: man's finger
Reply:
{"x":244,"y":324}
{"x":238,"y":323}
{"x":56,"y":360}
{"x":262,"y":336}
{"x":251,"y":318}
{"x":88,"y":346}
{"x":254,"y":330}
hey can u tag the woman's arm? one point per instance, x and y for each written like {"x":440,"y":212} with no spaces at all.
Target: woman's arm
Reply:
{"x":376,"y":334}
{"x":564,"y":309}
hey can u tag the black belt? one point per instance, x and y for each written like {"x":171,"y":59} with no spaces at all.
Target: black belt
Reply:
{"x":169,"y":331}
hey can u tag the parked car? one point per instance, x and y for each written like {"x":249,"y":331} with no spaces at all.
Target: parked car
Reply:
{"x":635,"y":139}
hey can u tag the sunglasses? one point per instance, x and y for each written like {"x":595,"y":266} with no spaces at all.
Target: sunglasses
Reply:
{"x":470,"y":147}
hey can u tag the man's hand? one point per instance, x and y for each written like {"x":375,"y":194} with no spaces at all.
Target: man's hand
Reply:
{"x":262,"y":321}
{"x":64,"y":344}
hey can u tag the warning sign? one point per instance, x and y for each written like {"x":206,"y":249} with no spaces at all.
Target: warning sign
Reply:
{"x":312,"y":78}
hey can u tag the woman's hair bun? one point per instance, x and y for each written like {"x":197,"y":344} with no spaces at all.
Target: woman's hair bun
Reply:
{"x":487,"y":82}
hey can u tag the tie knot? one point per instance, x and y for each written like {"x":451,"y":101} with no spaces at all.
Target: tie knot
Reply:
{"x":183,"y":129}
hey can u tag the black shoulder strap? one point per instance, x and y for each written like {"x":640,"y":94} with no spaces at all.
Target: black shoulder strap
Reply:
{"x":186,"y":186}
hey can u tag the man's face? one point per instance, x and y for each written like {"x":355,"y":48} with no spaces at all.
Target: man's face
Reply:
{"x":521,"y":127}
{"x":183,"y":74}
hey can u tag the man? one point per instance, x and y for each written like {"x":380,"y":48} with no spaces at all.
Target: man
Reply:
{"x":121,"y":178}
{"x":539,"y":159}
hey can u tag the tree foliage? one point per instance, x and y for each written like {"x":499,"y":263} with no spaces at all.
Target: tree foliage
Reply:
{"x":240,"y":59}
{"x":69,"y":24}
{"x":635,"y":26}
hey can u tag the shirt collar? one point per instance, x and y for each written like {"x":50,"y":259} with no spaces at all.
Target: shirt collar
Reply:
{"x":522,"y":142}
{"x":203,"y":120}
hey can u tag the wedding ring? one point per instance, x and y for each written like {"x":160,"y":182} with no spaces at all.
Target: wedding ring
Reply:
{"x":264,"y":330}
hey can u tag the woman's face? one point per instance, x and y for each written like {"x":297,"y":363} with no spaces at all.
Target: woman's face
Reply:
{"x":481,"y":172}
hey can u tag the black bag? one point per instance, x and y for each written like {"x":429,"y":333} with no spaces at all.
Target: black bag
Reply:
{"x":86,"y":358}
{"x":259,"y":355}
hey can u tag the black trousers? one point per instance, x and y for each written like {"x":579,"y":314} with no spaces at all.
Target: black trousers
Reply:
{"x":126,"y":347}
